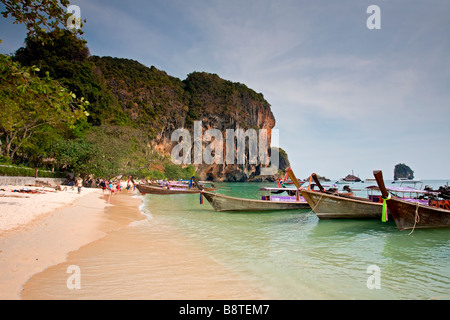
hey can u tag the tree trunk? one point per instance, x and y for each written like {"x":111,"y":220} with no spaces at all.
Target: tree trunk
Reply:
{"x":24,"y":138}
{"x":9,"y":141}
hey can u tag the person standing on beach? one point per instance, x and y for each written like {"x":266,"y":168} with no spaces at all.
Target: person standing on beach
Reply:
{"x":129,"y":183}
{"x":111,"y":187}
{"x":103,"y":185}
{"x":79,"y":184}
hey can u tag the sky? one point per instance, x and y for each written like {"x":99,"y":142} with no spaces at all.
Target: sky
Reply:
{"x":345,"y":97}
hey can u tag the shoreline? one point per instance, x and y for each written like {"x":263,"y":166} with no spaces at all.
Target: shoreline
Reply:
{"x":45,"y":237}
{"x":131,"y":262}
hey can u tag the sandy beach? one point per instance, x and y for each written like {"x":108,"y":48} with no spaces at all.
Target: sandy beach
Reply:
{"x":55,"y":230}
{"x":22,"y":205}
{"x":39,"y":229}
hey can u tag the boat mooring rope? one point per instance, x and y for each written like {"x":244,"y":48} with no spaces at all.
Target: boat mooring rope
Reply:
{"x":416,"y":218}
{"x":312,"y":210}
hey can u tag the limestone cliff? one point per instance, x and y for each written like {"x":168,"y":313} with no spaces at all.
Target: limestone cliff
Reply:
{"x":160,"y":104}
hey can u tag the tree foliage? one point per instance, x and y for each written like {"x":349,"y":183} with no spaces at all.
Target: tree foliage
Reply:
{"x":174,"y":172}
{"x":66,"y":58}
{"x":29,"y":103}
{"x":74,"y":155}
{"x":131,"y":107}
{"x":41,"y":17}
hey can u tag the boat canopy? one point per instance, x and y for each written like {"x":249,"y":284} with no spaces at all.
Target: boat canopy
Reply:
{"x":278,"y":189}
{"x":400,"y":189}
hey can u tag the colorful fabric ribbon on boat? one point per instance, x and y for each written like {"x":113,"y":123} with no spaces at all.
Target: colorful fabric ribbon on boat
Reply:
{"x":384,"y":215}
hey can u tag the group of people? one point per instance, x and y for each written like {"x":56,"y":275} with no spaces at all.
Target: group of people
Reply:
{"x":111,"y":186}
{"x":108,"y":185}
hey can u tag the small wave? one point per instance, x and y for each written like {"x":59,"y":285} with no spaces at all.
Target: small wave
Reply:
{"x":145,"y":210}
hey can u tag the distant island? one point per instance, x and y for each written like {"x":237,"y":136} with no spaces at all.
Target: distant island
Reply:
{"x":403,"y":172}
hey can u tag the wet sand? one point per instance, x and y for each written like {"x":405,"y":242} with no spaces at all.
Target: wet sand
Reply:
{"x":125,"y":263}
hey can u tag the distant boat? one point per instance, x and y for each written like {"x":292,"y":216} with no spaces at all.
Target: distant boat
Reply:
{"x":408,"y":215}
{"x":351,"y":178}
{"x":149,"y":189}
{"x":290,"y":182}
{"x":403,"y":181}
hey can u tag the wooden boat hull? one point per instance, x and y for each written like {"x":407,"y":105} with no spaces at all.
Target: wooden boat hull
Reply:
{"x":328,"y":206}
{"x":148,"y":189}
{"x":225,"y":203}
{"x":409,"y":215}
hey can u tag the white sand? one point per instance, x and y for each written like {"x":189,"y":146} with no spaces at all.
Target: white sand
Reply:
{"x":47,"y":232}
{"x":40,"y":230}
{"x":19,"y":209}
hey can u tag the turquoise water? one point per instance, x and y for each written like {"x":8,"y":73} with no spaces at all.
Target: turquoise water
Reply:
{"x":293,"y":255}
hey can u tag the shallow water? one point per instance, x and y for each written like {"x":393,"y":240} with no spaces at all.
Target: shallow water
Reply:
{"x":282,"y":255}
{"x":293,"y":255}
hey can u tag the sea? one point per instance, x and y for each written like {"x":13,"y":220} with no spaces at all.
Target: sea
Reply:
{"x":292,"y":255}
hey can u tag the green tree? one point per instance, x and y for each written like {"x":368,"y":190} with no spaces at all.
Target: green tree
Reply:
{"x":36,"y":151}
{"x":29,"y":103}
{"x":188,"y":172}
{"x":66,"y":58}
{"x":42,"y":17}
{"x":172,"y":171}
{"x":74,"y":155}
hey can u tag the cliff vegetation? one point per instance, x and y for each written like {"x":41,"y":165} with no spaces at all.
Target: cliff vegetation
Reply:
{"x":106,"y":116}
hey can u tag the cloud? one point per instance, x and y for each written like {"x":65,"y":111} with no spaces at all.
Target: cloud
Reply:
{"x":334,"y":86}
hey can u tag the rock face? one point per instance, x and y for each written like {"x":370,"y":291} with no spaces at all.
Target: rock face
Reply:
{"x":224,"y":105}
{"x":402,"y":171}
{"x":161,"y":104}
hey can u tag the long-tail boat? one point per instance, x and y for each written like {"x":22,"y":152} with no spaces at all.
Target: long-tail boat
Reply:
{"x":222,"y":202}
{"x":172,"y":188}
{"x":413,"y":215}
{"x":334,"y":205}
{"x":149,"y":189}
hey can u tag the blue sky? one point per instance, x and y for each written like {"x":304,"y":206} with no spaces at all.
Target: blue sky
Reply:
{"x":345,"y":97}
